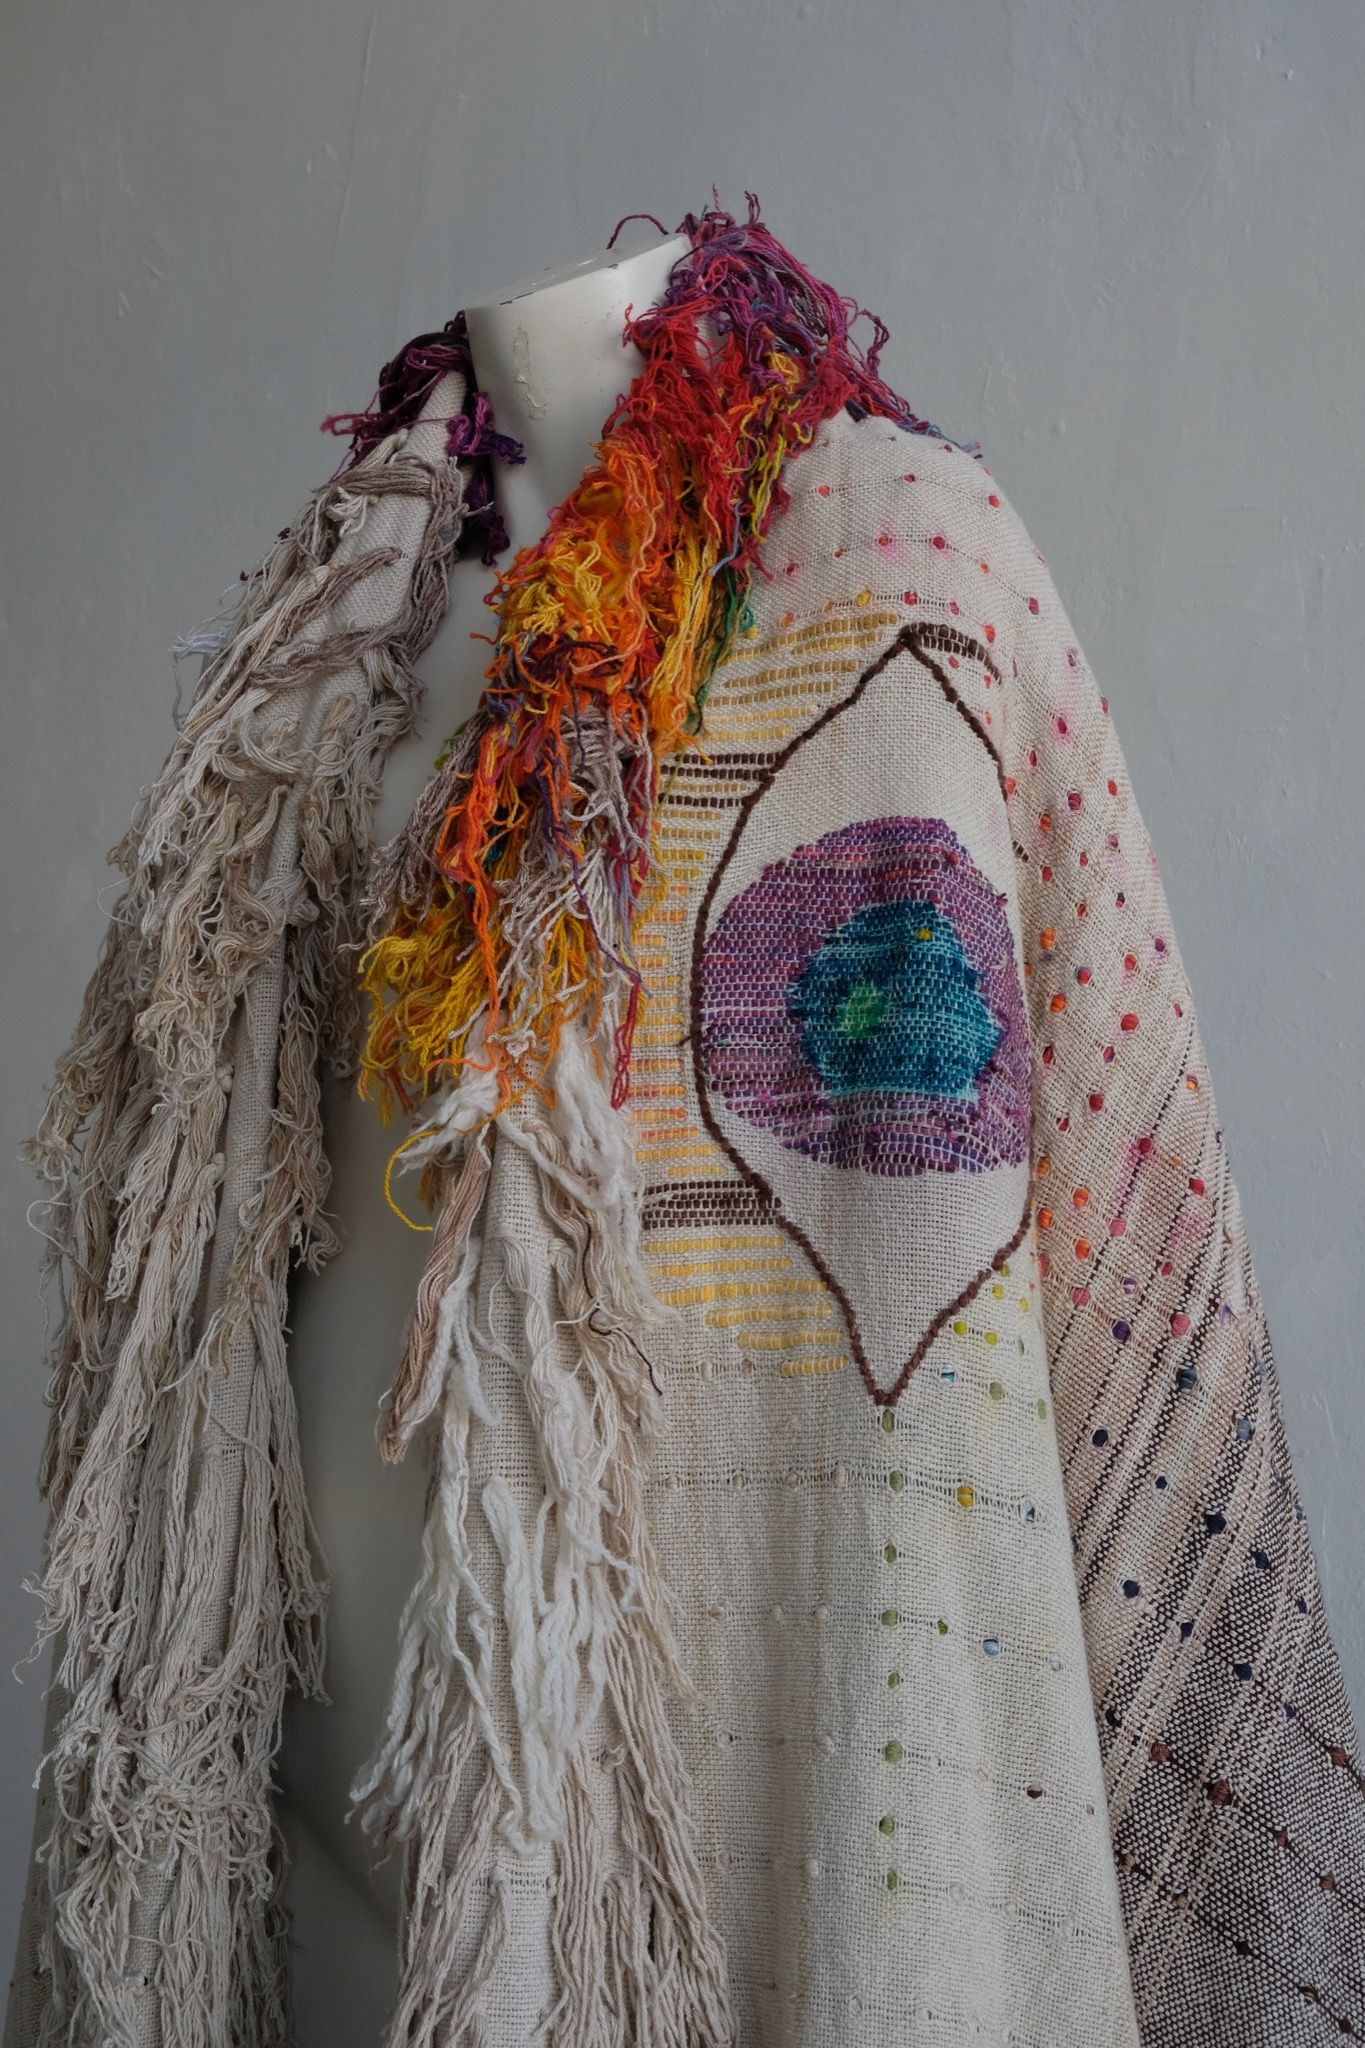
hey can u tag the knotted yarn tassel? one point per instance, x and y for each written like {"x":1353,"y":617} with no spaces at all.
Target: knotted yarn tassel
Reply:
{"x":541,"y":1619}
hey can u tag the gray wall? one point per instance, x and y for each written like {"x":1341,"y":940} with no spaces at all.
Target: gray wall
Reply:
{"x":1122,"y":245}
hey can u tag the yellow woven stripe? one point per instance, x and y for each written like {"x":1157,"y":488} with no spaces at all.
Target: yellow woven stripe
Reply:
{"x":683,"y":1173}
{"x":774,"y":730}
{"x":695,"y":854}
{"x":823,"y":630}
{"x":766,"y":1340}
{"x":790,"y":680}
{"x":736,"y":1290}
{"x":717,"y":787}
{"x":684,"y":824}
{"x":700,"y":1153}
{"x":727,"y":1240}
{"x":742,"y":1262}
{"x":816,"y":1315}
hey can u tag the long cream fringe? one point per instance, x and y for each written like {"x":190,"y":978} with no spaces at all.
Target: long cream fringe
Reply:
{"x":506,"y":1673}
{"x":182,"y":1146}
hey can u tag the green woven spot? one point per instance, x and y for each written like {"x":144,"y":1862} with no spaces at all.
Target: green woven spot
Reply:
{"x":890,"y":1001}
{"x":862,"y":1010}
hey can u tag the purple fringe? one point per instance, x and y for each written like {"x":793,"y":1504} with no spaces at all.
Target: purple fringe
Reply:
{"x":404,"y":386}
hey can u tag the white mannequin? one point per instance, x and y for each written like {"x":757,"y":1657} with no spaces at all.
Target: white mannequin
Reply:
{"x":549,"y":354}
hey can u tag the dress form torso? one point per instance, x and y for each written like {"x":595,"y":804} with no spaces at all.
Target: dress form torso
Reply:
{"x":549,"y":355}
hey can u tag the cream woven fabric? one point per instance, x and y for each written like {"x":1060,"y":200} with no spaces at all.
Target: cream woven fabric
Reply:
{"x":1014,"y":1714}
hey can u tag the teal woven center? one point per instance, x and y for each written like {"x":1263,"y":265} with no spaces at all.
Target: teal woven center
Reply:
{"x":890,"y":1001}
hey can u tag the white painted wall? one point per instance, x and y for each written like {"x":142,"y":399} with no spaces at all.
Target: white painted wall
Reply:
{"x":1122,"y":245}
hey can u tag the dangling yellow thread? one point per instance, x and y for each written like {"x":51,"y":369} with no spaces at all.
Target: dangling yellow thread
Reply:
{"x":426,"y":1229}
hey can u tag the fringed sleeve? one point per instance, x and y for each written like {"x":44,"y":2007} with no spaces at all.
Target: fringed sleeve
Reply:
{"x":1232,"y":1769}
{"x":182,"y":1150}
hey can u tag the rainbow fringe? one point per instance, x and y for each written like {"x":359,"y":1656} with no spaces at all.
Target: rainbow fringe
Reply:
{"x":509,"y":895}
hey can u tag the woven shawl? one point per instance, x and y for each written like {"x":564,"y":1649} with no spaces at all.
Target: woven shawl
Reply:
{"x":864,"y":1595}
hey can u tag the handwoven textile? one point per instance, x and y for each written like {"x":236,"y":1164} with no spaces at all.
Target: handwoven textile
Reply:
{"x":886,"y":1602}
{"x":864,"y":1596}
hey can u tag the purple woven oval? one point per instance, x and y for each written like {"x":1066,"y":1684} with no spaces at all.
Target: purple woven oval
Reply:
{"x":768,"y":952}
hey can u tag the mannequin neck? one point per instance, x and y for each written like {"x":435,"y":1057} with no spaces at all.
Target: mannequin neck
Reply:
{"x":549,"y":355}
